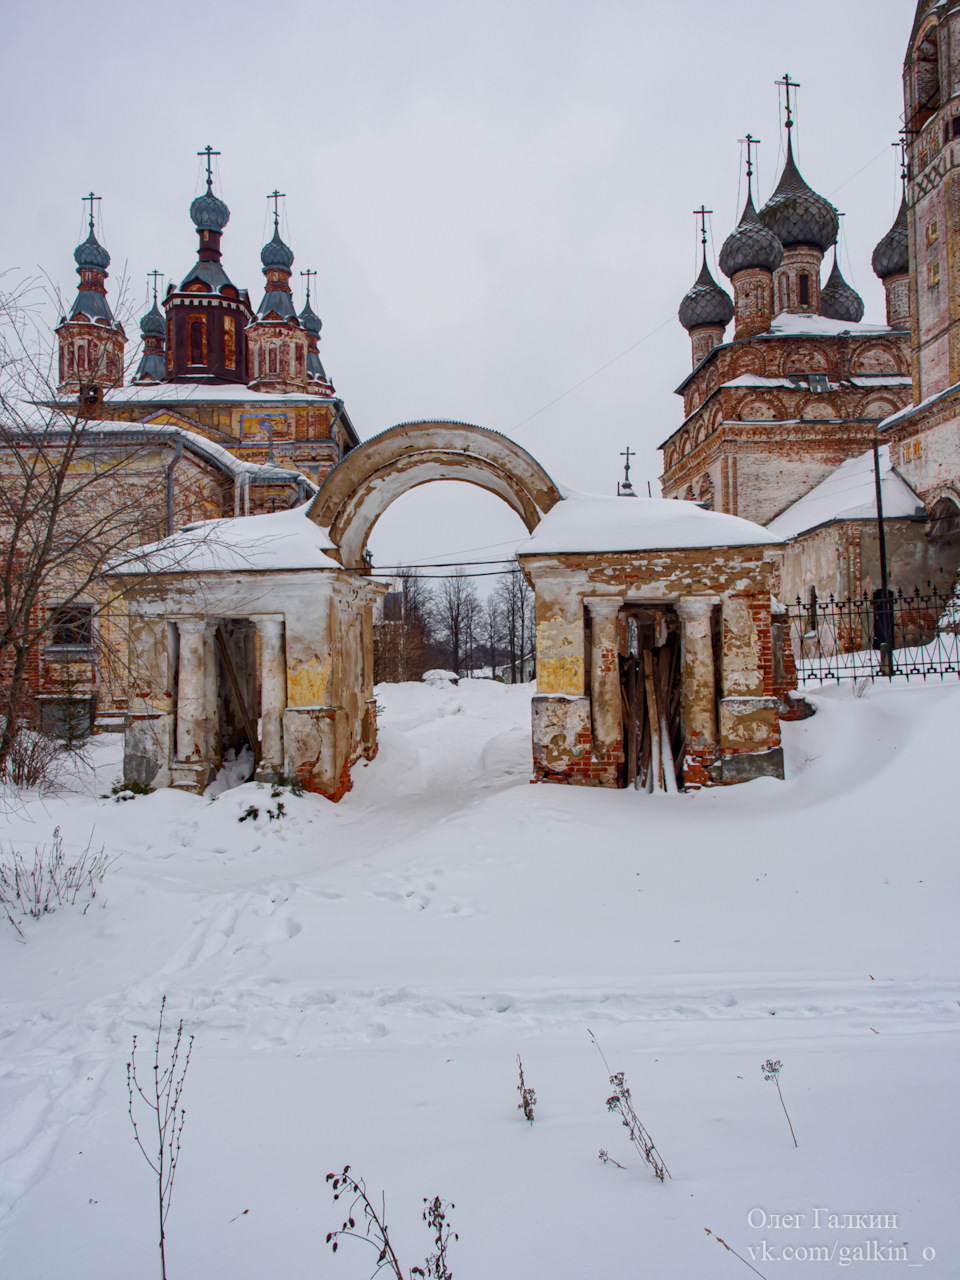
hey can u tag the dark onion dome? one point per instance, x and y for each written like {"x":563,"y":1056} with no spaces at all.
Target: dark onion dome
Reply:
{"x":310,"y":320}
{"x":750,"y":245}
{"x":275,"y":253}
{"x":796,"y":214}
{"x":706,"y":303}
{"x":838,"y":301}
{"x":91,"y":254}
{"x":153,"y":325}
{"x":208,"y":212}
{"x":891,"y":257}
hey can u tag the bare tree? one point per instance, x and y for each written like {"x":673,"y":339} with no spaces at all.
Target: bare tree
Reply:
{"x":454,"y":615}
{"x":402,"y":638}
{"x":516,"y":603}
{"x":74,"y":494}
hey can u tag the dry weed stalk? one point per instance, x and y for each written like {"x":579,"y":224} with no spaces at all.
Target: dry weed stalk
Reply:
{"x":771,"y":1071}
{"x":377,"y":1233}
{"x":621,"y":1103}
{"x":735,"y":1254}
{"x":162,"y":1099}
{"x":528,"y":1098}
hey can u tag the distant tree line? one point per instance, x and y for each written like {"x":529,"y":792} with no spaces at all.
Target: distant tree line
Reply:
{"x":429,"y":622}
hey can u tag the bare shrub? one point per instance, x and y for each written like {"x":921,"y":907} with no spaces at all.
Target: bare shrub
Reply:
{"x":50,"y":881}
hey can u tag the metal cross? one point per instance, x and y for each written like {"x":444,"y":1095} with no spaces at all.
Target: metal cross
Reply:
{"x":788,"y":84}
{"x":751,"y":142}
{"x":91,"y":197}
{"x":276,"y":196}
{"x":901,"y":146}
{"x":308,"y":273}
{"x":209,"y":152}
{"x":155,"y":274}
{"x":701,"y":213}
{"x":626,"y":466}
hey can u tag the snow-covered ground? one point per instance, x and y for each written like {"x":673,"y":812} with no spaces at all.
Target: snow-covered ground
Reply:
{"x":360,"y":978}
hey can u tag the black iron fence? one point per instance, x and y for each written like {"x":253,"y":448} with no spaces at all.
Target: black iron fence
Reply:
{"x":879,"y":634}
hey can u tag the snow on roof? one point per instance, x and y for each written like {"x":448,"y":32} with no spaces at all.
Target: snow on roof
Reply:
{"x":276,"y":541}
{"x":586,"y":522}
{"x":789,"y":323}
{"x":265,"y":472}
{"x":901,"y":414}
{"x":179,"y":392}
{"x":849,"y":493}
{"x":757,"y":380}
{"x":882,"y":380}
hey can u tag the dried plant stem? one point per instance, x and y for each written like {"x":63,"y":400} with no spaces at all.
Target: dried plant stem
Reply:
{"x":528,"y":1098}
{"x":735,"y":1254}
{"x":621,"y":1103}
{"x":786,"y":1113}
{"x":162,"y":1099}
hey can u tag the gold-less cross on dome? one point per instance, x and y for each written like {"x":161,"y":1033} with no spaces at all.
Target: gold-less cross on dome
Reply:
{"x":702,"y":213}
{"x":209,"y":152}
{"x":308,"y":273}
{"x":628,"y":454}
{"x":155,"y":275}
{"x":788,"y":84}
{"x":750,"y":142}
{"x":91,"y":197}
{"x":276,"y":196}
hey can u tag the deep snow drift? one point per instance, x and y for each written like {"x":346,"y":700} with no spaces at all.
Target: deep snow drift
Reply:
{"x":360,"y":978}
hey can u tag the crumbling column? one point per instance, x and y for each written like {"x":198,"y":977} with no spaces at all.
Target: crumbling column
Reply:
{"x":273,"y":693}
{"x":192,"y":689}
{"x":699,"y":699}
{"x":606,"y":710}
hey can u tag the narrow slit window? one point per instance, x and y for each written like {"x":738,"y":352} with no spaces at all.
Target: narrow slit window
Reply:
{"x":803,"y":289}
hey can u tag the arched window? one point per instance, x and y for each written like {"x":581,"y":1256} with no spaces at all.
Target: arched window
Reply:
{"x":926,"y":79}
{"x":803,"y":289}
{"x":945,"y":519}
{"x":783,"y":293}
{"x":81,"y":355}
{"x":229,"y":342}
{"x":197,"y":343}
{"x":272,"y":359}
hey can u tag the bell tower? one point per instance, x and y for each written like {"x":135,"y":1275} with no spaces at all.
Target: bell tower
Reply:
{"x":90,"y":340}
{"x":276,"y":340}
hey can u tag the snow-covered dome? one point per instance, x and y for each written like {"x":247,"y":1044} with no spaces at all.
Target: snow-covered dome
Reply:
{"x":796,"y":214}
{"x":275,"y":253}
{"x":750,"y":245}
{"x":838,"y":301}
{"x":891,"y":256}
{"x":91,"y":253}
{"x":152,"y":325}
{"x":706,"y":303}
{"x":208,"y":212}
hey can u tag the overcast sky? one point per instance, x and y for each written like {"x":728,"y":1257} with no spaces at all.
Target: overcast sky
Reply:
{"x":496,"y":196}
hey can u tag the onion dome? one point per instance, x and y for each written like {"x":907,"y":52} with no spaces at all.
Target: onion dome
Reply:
{"x":310,"y":320}
{"x":91,"y":253}
{"x":890,"y":257}
{"x":275,"y":253}
{"x":706,"y":303}
{"x":153,"y":325}
{"x":838,"y":301}
{"x":750,"y":245}
{"x":208,"y":212}
{"x":796,"y":214}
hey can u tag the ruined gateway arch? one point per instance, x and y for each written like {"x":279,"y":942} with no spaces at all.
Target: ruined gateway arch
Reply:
{"x":358,"y":491}
{"x":275,"y":624}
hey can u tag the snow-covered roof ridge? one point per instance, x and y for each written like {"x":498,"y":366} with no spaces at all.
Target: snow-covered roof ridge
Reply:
{"x":849,"y":493}
{"x":185,"y":392}
{"x":902,"y":414}
{"x":789,"y":323}
{"x":588,"y":522}
{"x":223,"y":458}
{"x":276,"y":541}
